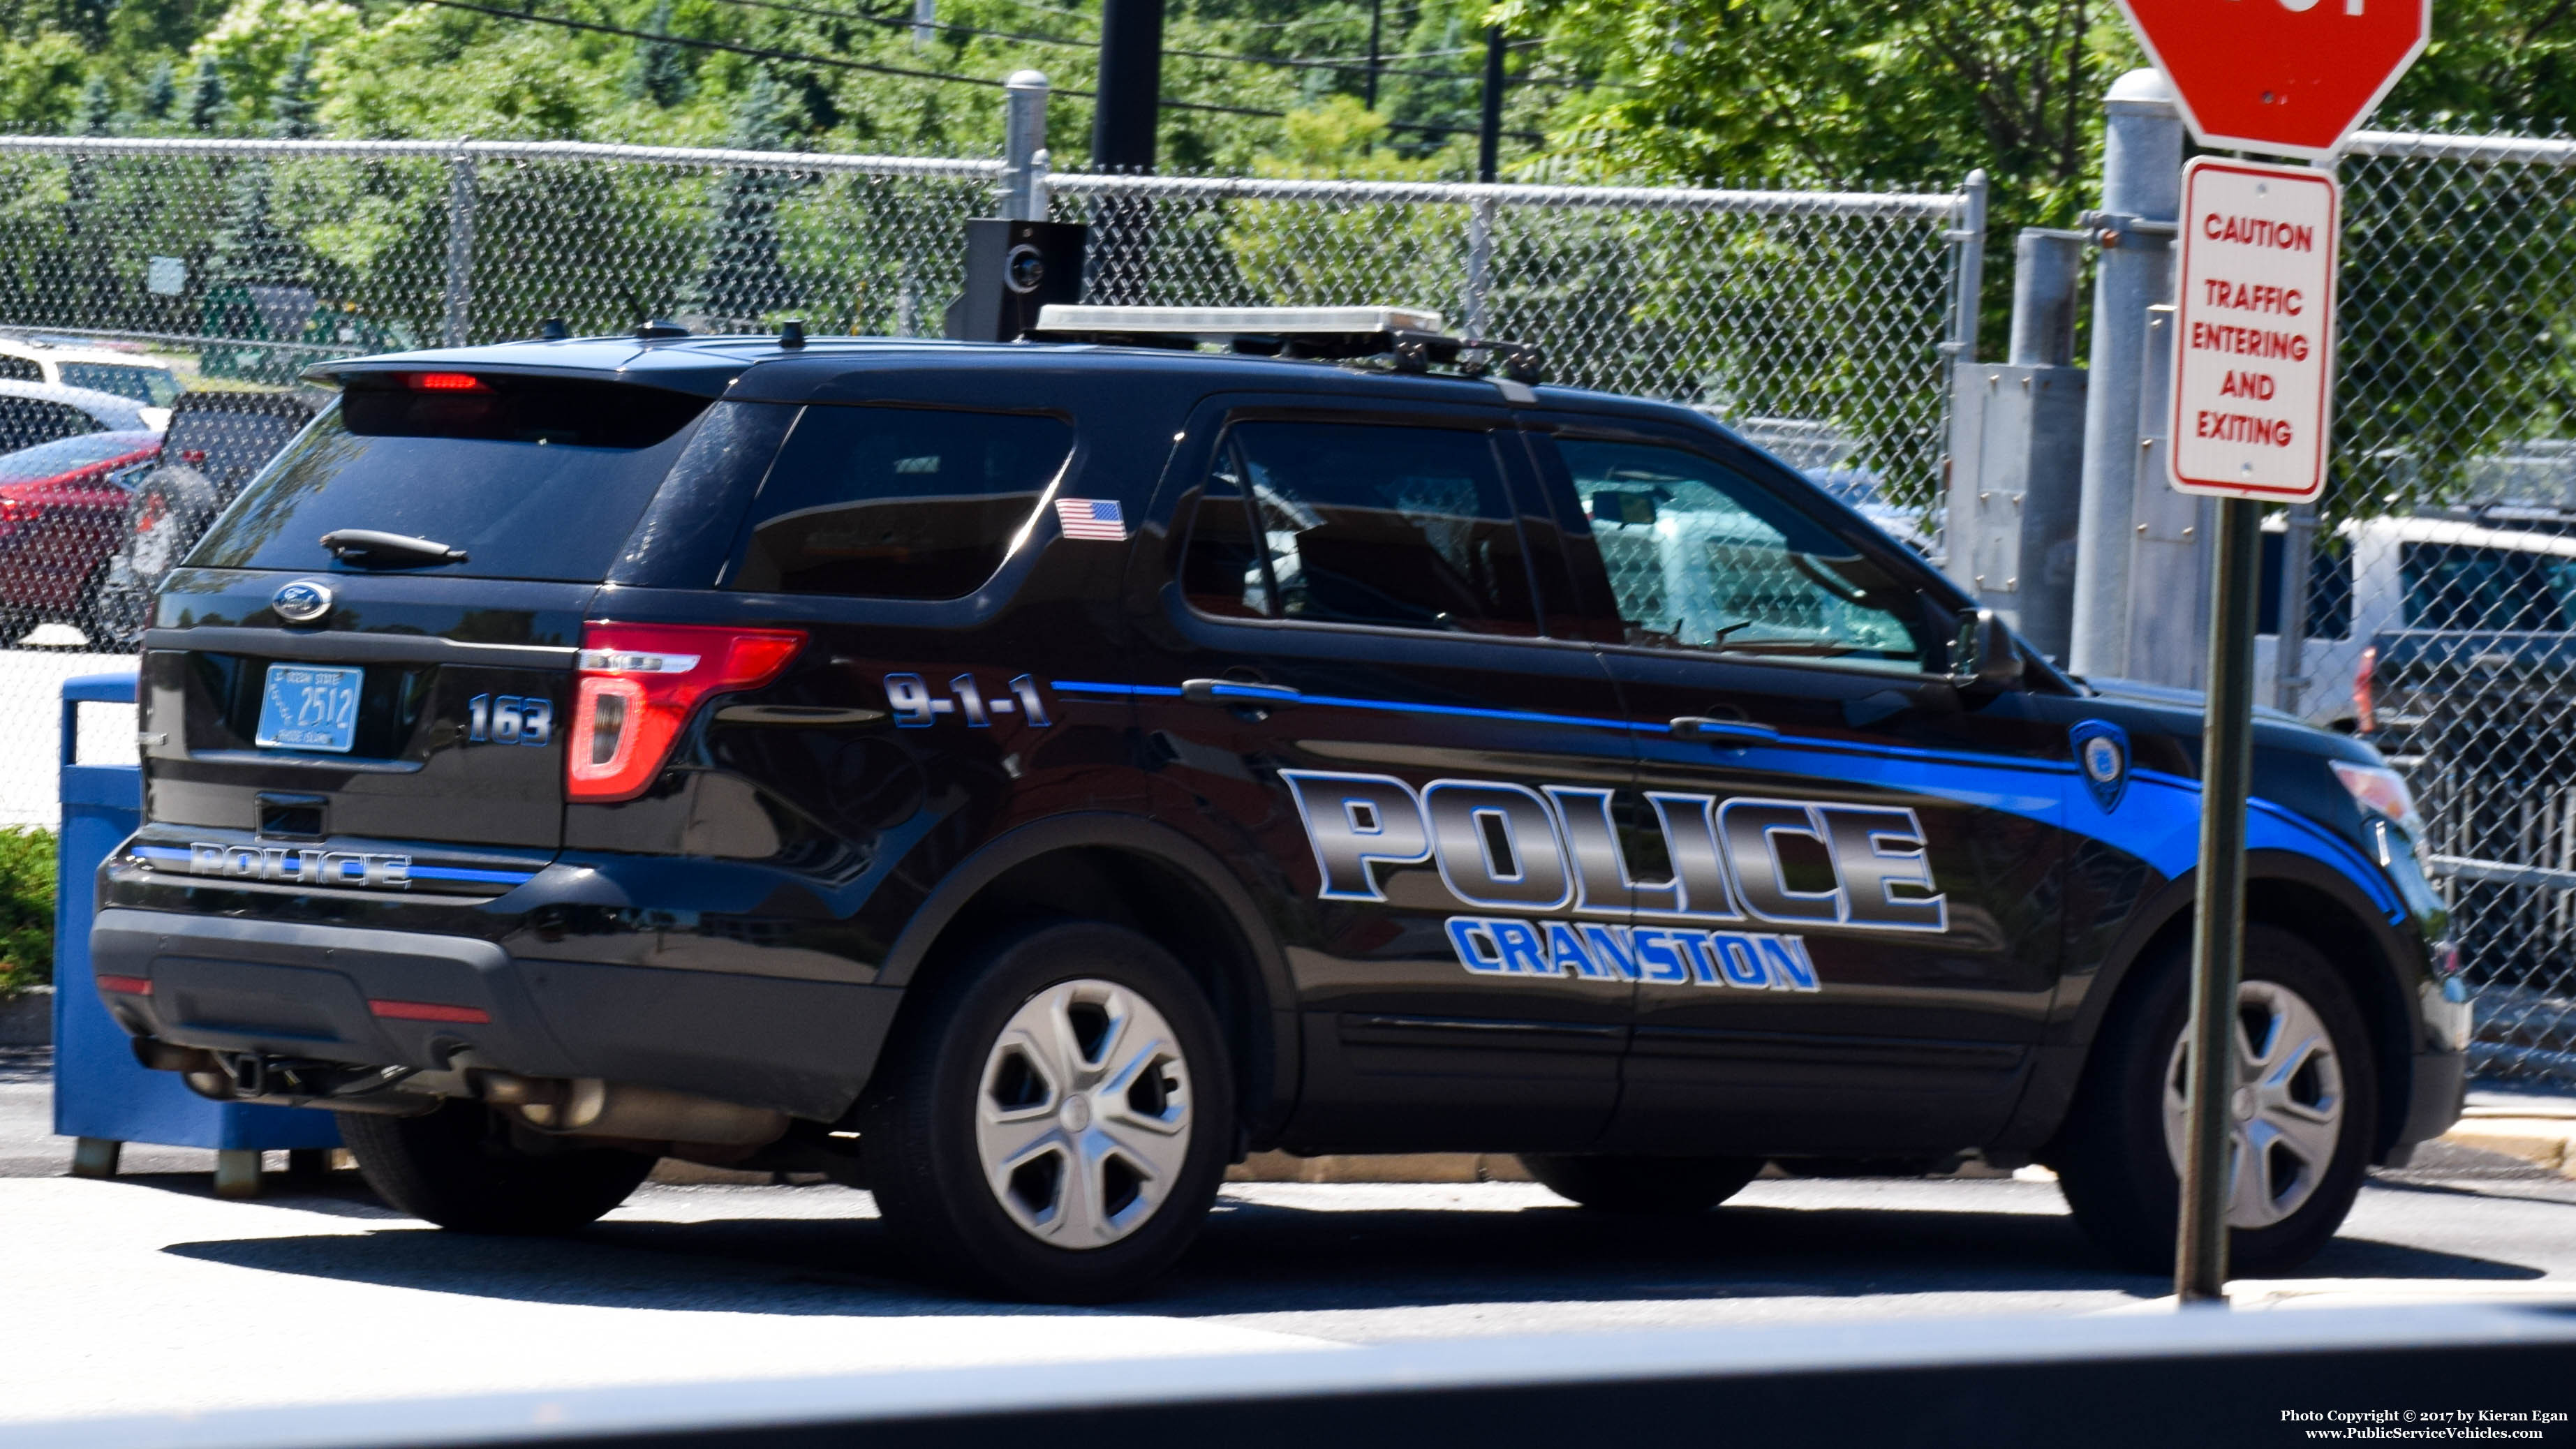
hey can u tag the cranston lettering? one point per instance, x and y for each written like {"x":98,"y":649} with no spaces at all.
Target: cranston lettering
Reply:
{"x":303,"y":867}
{"x":1663,"y":955}
{"x":1501,"y":847}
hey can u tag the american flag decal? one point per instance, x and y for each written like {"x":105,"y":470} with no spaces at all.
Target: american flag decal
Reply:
{"x":1097,"y":518}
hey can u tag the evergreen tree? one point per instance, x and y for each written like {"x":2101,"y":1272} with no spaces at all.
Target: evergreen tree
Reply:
{"x":205,"y":103}
{"x":291,"y":110}
{"x":661,"y":70}
{"x":745,"y":276}
{"x":91,"y":112}
{"x":248,"y":247}
{"x":160,"y":92}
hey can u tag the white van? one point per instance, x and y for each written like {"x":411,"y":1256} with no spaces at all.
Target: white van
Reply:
{"x":2497,"y":568}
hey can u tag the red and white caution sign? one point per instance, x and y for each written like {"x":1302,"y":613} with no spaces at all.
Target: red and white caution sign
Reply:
{"x":2253,"y":385}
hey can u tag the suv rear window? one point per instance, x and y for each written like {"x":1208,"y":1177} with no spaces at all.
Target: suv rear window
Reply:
{"x":535,"y":478}
{"x":897,"y":503}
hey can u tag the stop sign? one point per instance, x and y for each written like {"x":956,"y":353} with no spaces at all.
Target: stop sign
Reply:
{"x":2292,"y":77}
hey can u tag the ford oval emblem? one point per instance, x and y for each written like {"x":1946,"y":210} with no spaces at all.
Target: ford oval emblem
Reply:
{"x":302,"y":601}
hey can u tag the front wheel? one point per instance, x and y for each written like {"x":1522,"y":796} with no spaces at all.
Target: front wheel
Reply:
{"x":462,"y":1167}
{"x":1643,"y":1184}
{"x":1056,"y":1120}
{"x":2302,"y":1112}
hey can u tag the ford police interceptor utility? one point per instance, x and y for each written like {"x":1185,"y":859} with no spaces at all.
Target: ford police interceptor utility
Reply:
{"x":1021,"y":779}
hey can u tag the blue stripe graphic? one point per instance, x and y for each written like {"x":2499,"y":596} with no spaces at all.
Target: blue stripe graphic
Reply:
{"x":2160,"y":826}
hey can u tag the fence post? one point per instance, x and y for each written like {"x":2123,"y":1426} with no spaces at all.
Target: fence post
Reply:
{"x":460,"y":242}
{"x":1480,"y":263}
{"x":1024,"y":124}
{"x":2289,"y":653}
{"x":2141,"y":199}
{"x":1970,"y":238}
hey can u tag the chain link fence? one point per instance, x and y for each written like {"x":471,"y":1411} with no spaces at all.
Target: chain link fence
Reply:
{"x":2439,"y":613}
{"x":132,"y":268}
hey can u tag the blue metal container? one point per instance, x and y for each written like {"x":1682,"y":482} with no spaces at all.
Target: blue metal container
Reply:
{"x":100,"y":1092}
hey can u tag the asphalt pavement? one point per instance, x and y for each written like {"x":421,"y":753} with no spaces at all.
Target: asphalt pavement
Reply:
{"x":158,"y":1297}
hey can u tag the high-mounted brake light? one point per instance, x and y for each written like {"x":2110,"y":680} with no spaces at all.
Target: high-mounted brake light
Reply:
{"x":637,"y":686}
{"x":446,"y":382}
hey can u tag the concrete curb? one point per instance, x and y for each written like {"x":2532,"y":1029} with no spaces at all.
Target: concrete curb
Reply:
{"x":2548,"y":1142}
{"x":1387,"y":1167}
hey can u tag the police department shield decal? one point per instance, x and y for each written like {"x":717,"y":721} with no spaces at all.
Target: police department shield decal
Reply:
{"x":2102,"y":756}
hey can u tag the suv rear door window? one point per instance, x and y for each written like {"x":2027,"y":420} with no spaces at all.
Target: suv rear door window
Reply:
{"x":897,"y":503}
{"x":535,"y":478}
{"x":1702,"y":557}
{"x":1359,"y":523}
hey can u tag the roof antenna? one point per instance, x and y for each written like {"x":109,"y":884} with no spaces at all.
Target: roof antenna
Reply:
{"x":553,"y":330}
{"x":791,"y":334}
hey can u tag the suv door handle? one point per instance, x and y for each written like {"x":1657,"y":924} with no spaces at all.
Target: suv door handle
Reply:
{"x":1724,"y":733}
{"x":1237,"y":695}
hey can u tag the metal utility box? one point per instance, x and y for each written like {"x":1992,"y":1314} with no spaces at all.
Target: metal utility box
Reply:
{"x":2017,"y":460}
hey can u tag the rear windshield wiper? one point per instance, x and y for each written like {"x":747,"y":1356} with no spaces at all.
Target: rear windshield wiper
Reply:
{"x":368,"y":548}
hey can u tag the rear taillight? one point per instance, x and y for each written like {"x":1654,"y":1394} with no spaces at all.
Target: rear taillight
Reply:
{"x":638,"y":684}
{"x":2365,"y":696}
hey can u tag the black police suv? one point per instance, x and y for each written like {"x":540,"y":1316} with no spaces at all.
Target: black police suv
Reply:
{"x":1021,"y":779}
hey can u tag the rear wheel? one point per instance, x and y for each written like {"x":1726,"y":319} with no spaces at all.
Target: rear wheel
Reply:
{"x":2302,"y":1112}
{"x":460,"y":1167}
{"x":1643,"y":1184}
{"x":1057,"y":1119}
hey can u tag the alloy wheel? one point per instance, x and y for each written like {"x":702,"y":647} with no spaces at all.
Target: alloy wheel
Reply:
{"x":2286,"y":1109}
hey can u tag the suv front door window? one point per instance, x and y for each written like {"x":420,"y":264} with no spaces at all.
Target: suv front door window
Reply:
{"x":1699,"y":558}
{"x":1864,"y":854}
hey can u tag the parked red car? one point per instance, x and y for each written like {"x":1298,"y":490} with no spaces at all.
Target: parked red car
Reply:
{"x":61,"y":514}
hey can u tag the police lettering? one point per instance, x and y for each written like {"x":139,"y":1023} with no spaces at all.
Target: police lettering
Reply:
{"x":1507,"y":848}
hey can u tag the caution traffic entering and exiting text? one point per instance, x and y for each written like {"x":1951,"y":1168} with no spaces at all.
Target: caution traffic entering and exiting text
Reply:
{"x":2253,"y":385}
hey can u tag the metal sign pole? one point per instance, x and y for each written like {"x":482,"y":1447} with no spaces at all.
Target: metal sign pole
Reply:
{"x":2218,"y":943}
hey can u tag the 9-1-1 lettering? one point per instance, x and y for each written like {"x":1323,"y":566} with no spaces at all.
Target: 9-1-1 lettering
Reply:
{"x":916,"y":707}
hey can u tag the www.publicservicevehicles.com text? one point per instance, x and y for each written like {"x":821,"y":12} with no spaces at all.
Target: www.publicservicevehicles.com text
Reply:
{"x":2424,"y":1423}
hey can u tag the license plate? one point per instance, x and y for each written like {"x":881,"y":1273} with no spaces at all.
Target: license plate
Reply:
{"x":309,"y":707}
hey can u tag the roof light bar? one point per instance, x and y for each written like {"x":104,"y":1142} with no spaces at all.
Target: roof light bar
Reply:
{"x":1413,"y":339}
{"x":1222,"y":324}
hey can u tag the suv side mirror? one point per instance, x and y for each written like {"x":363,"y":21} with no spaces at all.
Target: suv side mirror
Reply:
{"x":1986,"y":657}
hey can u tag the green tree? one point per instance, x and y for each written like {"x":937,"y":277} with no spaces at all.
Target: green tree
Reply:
{"x":292,"y":109}
{"x":661,"y":70}
{"x":95,"y":108}
{"x":203,"y":108}
{"x":745,"y":277}
{"x":160,"y":91}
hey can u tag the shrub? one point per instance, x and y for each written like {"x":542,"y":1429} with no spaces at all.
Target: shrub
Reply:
{"x":26,"y":908}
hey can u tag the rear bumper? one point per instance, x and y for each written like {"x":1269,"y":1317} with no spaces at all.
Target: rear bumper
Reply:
{"x":401,"y":998}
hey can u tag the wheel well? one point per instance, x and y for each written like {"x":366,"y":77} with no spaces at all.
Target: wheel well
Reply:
{"x":2346,"y":942}
{"x":1152,"y":897}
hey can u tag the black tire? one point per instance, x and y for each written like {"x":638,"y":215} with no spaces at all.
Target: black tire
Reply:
{"x":459,"y":1167}
{"x":2112,"y":1158}
{"x":924,"y":1109}
{"x":1643,"y":1184}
